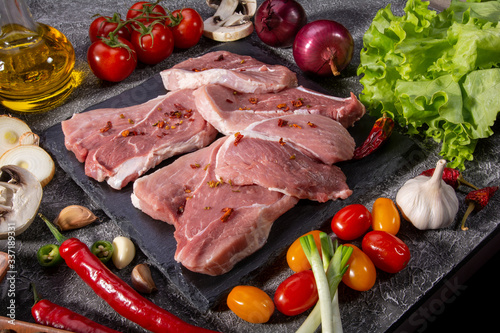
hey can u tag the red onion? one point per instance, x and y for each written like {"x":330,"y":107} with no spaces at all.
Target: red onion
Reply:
{"x":278,"y":21}
{"x":323,"y":47}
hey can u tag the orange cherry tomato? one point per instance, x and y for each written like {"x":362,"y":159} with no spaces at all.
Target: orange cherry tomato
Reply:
{"x":251,"y":304}
{"x":385,"y":216}
{"x":361,"y":273}
{"x":295,"y":256}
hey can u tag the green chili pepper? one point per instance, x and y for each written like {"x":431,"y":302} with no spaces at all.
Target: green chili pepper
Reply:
{"x":103,"y":250}
{"x":49,"y":256}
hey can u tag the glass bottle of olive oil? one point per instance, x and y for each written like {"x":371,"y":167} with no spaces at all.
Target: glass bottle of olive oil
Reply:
{"x":36,"y":61}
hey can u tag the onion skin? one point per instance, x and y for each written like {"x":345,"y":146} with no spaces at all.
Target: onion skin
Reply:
{"x":323,"y":47}
{"x":278,"y":21}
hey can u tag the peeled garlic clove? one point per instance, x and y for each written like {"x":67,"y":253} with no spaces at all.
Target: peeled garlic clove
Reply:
{"x":142,"y":280}
{"x":123,"y":251}
{"x":74,"y":217}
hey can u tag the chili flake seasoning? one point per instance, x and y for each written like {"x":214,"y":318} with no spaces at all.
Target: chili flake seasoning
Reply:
{"x":282,"y":123}
{"x":227,"y":213}
{"x":238,"y":137}
{"x":107,"y":127}
{"x":253,"y":100}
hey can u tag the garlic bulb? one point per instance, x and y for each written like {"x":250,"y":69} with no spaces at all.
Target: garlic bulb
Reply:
{"x":428,"y":202}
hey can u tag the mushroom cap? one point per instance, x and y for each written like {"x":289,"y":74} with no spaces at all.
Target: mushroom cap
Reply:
{"x":20,"y":198}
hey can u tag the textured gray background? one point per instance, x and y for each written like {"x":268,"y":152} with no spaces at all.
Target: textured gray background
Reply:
{"x":436,"y":255}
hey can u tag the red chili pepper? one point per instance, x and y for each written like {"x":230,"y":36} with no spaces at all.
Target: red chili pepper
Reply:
{"x":381,"y":131}
{"x":49,"y":314}
{"x":477,"y":200}
{"x":451,"y":177}
{"x":117,"y":293}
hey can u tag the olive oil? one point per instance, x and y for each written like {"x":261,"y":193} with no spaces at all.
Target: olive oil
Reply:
{"x":36,"y":65}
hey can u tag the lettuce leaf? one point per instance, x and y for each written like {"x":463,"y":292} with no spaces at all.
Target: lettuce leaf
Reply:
{"x":436,"y":74}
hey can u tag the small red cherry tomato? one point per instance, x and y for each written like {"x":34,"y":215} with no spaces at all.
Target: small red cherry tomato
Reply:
{"x":111,"y":62}
{"x":102,"y":26}
{"x":385,"y":216}
{"x":361,"y":273}
{"x":351,"y":222}
{"x":146,"y":12}
{"x":296,"y":294}
{"x":250,"y":304}
{"x":388,"y":252}
{"x":153,"y":44}
{"x":295,"y":256}
{"x":187,"y":27}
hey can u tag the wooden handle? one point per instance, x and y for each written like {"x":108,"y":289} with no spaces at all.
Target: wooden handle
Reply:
{"x":15,"y":326}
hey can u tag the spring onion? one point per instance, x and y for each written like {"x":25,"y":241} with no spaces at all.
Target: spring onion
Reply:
{"x":328,"y":270}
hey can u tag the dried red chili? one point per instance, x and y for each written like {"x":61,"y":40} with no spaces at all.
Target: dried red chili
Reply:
{"x":227,"y":213}
{"x":282,"y":142}
{"x":107,"y":127}
{"x":311,"y":124}
{"x":451,"y":177}
{"x":380,"y":132}
{"x":476,"y":201}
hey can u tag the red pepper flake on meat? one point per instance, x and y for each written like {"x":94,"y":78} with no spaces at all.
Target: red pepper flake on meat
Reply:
{"x":130,"y":121}
{"x":296,"y":126}
{"x":107,"y":127}
{"x":235,"y":92}
{"x":187,"y":189}
{"x":175,"y":114}
{"x":122,"y":116}
{"x":244,"y":108}
{"x":127,"y":133}
{"x":227,"y":213}
{"x":281,"y":106}
{"x":214,"y":183}
{"x":282,"y":123}
{"x":237,"y":138}
{"x":297,"y":103}
{"x":311,"y":124}
{"x":194,"y":166}
{"x":282,"y":142}
{"x":242,"y":61}
{"x":293,"y":157}
{"x":253,"y":100}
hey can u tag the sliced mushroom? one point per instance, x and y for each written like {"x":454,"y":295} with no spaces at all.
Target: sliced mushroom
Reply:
{"x":20,"y":197}
{"x":231,"y":21}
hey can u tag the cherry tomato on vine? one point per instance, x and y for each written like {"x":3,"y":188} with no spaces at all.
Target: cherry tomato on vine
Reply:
{"x":112,"y":60}
{"x":102,"y":26}
{"x":385,"y":216}
{"x":187,"y":27}
{"x":153,"y":44}
{"x":296,"y":294}
{"x":146,"y":12}
{"x":351,"y":222}
{"x":250,"y":304}
{"x":361,"y":273}
{"x":295,"y":256}
{"x":388,"y":252}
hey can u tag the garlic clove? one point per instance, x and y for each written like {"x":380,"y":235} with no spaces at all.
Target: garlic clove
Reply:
{"x":142,"y":280}
{"x":123,"y":252}
{"x":74,"y":217}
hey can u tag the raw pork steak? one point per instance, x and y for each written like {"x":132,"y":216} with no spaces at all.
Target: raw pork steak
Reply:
{"x":237,"y":72}
{"x":231,"y":112}
{"x":119,"y":145}
{"x":202,"y":209}
{"x":293,"y":154}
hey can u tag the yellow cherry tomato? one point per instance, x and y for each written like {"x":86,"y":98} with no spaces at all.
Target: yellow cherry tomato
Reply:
{"x":295,"y":256}
{"x":361,"y":273}
{"x":385,"y":216}
{"x":251,"y":304}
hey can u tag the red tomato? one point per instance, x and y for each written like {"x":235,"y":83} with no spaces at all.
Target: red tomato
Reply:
{"x":295,"y":256}
{"x":112,"y":63}
{"x":187,"y":27}
{"x":154,"y":44}
{"x":351,"y":222}
{"x":361,"y":273}
{"x":146,"y":12}
{"x":387,"y":252}
{"x":296,"y":294}
{"x":103,"y":25}
{"x":250,"y":304}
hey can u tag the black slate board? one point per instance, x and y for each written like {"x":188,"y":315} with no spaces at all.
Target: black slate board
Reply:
{"x":155,"y":238}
